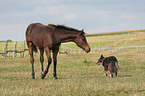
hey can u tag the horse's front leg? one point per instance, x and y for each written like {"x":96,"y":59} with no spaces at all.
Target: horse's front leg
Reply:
{"x":49,"y":62}
{"x":55,"y":52}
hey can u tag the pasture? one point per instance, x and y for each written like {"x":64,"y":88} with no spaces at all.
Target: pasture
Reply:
{"x":78,"y":74}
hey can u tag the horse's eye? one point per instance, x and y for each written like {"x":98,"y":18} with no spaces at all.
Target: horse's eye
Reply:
{"x":84,"y":40}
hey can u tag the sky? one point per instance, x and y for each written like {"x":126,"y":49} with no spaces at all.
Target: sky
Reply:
{"x":94,"y":16}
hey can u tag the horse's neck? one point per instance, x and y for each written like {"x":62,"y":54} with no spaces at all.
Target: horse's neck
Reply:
{"x":66,"y":36}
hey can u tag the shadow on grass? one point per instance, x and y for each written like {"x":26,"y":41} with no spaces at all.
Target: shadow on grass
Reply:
{"x":92,"y":76}
{"x":125,"y":76}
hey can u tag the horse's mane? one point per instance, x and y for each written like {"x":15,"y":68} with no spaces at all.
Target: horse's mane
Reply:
{"x":64,"y":27}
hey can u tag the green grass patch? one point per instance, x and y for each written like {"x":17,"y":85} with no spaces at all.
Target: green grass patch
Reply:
{"x":78,"y":75}
{"x":116,"y":33}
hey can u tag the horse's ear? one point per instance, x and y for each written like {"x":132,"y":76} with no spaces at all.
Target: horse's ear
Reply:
{"x":80,"y":33}
{"x":82,"y":30}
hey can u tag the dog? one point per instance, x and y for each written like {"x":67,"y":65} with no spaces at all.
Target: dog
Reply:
{"x":110,"y":64}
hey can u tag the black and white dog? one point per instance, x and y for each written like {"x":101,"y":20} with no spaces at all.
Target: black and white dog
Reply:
{"x":110,"y":64}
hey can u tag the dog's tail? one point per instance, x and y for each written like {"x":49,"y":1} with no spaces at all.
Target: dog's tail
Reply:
{"x":116,"y":64}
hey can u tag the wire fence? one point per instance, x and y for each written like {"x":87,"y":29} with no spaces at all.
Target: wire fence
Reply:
{"x":20,"y":49}
{"x":107,"y":50}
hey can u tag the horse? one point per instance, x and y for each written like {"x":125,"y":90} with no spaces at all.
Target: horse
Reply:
{"x":49,"y":38}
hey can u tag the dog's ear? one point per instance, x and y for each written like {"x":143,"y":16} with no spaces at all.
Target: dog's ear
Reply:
{"x":102,"y":56}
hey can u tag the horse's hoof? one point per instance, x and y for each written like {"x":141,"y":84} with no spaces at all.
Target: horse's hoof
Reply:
{"x":42,"y":77}
{"x":55,"y":78}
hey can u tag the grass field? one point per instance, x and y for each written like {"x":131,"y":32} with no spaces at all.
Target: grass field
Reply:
{"x":116,"y":32}
{"x":78,"y":74}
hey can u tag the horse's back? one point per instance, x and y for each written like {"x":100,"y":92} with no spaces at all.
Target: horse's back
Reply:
{"x":41,"y":35}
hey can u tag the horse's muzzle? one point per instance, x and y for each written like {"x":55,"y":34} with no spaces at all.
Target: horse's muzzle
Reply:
{"x":87,"y":51}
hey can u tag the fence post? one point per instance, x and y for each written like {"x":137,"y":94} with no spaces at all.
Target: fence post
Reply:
{"x":94,"y":50}
{"x":23,"y":49}
{"x":137,"y":49}
{"x":125,"y":46}
{"x":14,"y":51}
{"x":76,"y":51}
{"x":108,"y":49}
{"x":99,"y":51}
{"x":59,"y":50}
{"x":64,"y":49}
{"x":80,"y":51}
{"x":99,"y":46}
{"x":72,"y":51}
{"x":68,"y":51}
{"x":5,"y":50}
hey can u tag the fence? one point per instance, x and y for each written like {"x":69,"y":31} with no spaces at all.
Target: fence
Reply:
{"x":109,"y":50}
{"x":13,"y":48}
{"x":21,"y":49}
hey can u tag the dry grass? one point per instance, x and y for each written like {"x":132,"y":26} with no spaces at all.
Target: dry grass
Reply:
{"x":78,"y":75}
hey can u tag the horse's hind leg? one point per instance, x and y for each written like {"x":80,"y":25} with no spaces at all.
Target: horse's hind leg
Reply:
{"x":31,"y":58}
{"x":49,"y":62}
{"x":41,"y":59}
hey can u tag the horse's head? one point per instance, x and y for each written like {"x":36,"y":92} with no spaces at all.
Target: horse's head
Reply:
{"x":81,"y":41}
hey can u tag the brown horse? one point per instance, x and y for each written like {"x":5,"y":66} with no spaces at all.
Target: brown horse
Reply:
{"x":49,"y":37}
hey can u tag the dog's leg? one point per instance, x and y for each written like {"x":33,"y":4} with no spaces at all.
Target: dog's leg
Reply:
{"x":105,"y":72}
{"x":116,"y":74}
{"x":111,"y":75}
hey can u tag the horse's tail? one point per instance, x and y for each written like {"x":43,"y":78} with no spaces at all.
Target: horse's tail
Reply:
{"x":34,"y":48}
{"x":28,"y":38}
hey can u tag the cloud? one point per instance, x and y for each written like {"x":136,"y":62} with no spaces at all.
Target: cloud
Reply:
{"x":15,"y":32}
{"x":53,"y":10}
{"x":92,"y":15}
{"x":71,"y":16}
